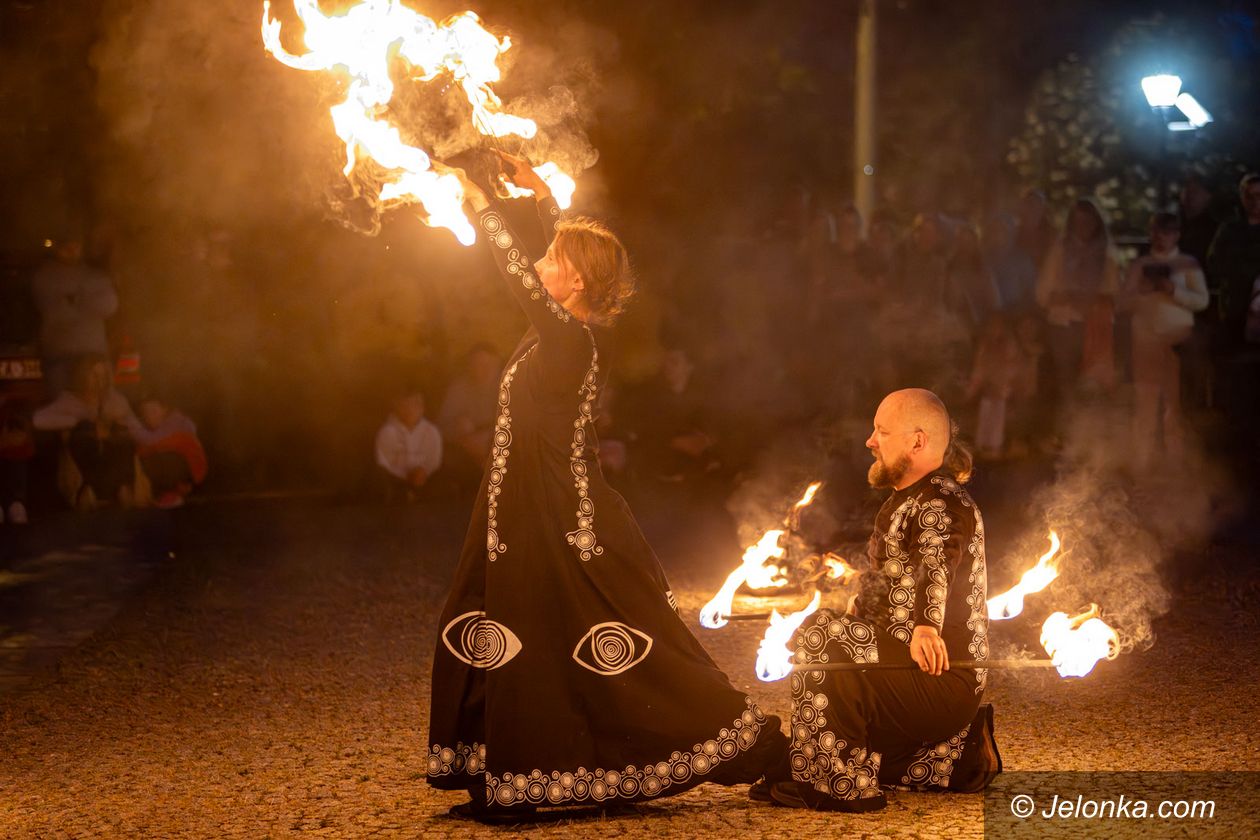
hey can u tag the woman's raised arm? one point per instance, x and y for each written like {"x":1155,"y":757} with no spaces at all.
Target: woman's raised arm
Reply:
{"x":558,"y":329}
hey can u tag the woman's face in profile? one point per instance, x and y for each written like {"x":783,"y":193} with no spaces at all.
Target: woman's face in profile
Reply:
{"x":556,"y":275}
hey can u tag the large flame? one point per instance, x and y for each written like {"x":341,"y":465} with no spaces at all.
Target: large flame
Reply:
{"x":753,"y":571}
{"x":755,"y":568}
{"x":1011,"y":602}
{"x":1077,"y":643}
{"x":759,"y":573}
{"x":774,"y":660}
{"x":362,"y":44}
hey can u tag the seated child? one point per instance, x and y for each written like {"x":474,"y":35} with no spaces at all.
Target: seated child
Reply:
{"x":170,"y":453}
{"x":96,"y":425}
{"x":408,"y":448}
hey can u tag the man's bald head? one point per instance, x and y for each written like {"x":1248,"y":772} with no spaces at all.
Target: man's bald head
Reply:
{"x":918,"y":409}
{"x":910,"y":438}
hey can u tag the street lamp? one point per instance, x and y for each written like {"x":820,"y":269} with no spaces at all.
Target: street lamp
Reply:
{"x":1196,"y":115}
{"x":1164,"y":94}
{"x":1161,"y":91}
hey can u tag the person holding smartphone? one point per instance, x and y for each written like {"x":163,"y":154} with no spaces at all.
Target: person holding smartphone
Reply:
{"x":1163,"y":289}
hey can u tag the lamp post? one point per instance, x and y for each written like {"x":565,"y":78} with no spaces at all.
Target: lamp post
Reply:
{"x":1161,"y":94}
{"x":864,"y":114}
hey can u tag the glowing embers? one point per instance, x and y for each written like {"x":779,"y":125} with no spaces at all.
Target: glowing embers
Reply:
{"x":1011,"y":602}
{"x":362,"y":45}
{"x":774,"y":659}
{"x":1077,"y":643}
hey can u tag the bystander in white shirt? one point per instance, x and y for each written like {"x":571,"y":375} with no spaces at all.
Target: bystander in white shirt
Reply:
{"x":401,"y":450}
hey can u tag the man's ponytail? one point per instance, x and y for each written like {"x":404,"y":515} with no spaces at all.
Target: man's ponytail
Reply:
{"x":958,"y":459}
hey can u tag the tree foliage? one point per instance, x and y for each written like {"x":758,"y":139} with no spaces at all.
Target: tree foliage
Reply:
{"x":1088,"y":130}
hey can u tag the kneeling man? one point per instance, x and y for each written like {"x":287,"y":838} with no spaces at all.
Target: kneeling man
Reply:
{"x":921,"y":602}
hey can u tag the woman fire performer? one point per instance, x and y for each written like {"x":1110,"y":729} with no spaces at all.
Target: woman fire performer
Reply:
{"x":563,"y":674}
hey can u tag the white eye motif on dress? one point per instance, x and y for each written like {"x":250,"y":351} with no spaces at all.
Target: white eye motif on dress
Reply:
{"x":612,"y":648}
{"x":480,"y":642}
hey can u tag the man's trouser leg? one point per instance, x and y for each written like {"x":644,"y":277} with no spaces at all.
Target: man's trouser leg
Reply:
{"x":844,"y":722}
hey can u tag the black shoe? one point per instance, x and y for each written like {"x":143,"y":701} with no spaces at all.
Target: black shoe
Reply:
{"x":473,"y":810}
{"x":798,"y":795}
{"x":980,"y":762}
{"x":760,"y":792}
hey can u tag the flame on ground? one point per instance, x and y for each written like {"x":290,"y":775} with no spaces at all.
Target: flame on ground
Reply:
{"x":754,"y":571}
{"x":1077,"y":643}
{"x":774,"y":660}
{"x":361,"y":45}
{"x":1011,"y":602}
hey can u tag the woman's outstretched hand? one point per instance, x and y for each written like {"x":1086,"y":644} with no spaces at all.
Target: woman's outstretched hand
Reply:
{"x":520,"y":173}
{"x":474,"y":195}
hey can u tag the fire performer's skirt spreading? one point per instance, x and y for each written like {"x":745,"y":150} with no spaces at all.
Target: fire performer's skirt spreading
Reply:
{"x":563,"y":674}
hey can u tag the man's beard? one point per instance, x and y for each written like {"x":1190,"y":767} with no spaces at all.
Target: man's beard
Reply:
{"x":882,"y":475}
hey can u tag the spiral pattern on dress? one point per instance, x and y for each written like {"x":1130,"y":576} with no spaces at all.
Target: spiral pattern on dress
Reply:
{"x":612,"y":648}
{"x":479,"y":641}
{"x":485,"y":640}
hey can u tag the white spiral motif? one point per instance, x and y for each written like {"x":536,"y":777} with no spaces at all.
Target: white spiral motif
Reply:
{"x":573,"y":787}
{"x":495,"y":545}
{"x":933,"y":765}
{"x":612,"y":648}
{"x":583,"y":537}
{"x":480,"y":642}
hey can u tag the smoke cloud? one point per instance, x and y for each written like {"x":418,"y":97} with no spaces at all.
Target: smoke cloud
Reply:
{"x":1120,"y":529}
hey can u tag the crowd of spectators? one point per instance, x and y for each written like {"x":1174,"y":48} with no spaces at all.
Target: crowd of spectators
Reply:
{"x":1023,"y":320}
{"x":1014,"y":318}
{"x":77,"y":430}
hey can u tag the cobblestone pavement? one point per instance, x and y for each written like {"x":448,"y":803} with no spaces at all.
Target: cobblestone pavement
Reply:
{"x":273,"y":679}
{"x":67,"y":574}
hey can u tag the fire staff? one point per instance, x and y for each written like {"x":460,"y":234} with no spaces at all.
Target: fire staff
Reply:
{"x":563,"y":674}
{"x":921,"y":601}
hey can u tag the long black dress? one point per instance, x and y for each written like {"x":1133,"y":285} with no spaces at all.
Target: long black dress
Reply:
{"x":563,"y":674}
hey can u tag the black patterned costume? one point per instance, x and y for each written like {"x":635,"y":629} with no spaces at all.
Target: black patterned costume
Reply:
{"x":563,"y":674}
{"x":853,"y":731}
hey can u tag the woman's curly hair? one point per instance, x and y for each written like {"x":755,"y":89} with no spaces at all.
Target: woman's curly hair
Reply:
{"x":598,"y":255}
